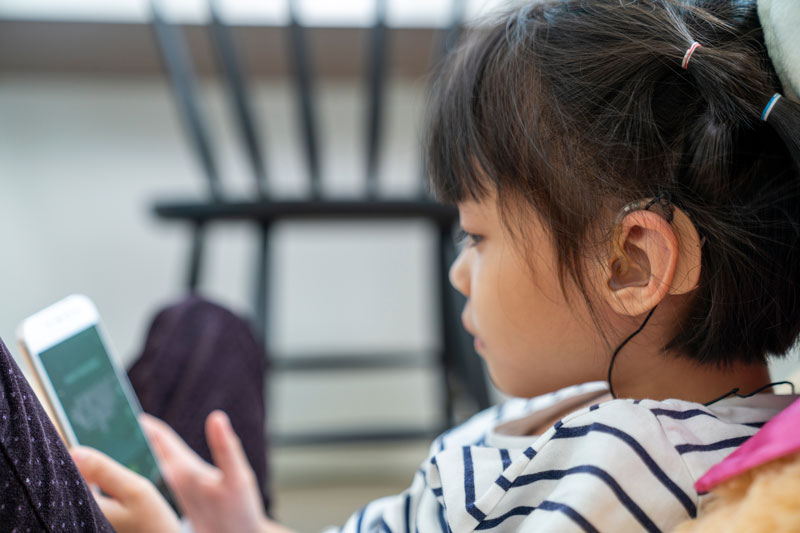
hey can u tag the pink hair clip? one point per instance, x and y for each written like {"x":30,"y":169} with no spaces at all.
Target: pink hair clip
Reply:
{"x":688,"y":55}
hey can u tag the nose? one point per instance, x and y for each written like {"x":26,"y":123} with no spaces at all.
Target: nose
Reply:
{"x":459,"y":273}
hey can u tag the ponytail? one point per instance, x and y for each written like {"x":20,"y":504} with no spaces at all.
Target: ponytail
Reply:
{"x":732,"y":85}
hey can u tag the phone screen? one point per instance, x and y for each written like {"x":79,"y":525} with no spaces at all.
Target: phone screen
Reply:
{"x":96,"y":405}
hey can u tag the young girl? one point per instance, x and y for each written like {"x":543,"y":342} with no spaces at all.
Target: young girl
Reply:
{"x":633,"y":244}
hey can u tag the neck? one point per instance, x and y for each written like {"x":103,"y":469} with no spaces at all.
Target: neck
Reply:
{"x":677,"y":377}
{"x":640,"y":371}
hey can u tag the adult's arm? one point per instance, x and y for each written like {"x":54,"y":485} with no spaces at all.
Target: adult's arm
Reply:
{"x":40,"y":486}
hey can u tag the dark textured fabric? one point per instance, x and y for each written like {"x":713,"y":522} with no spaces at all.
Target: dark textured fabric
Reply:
{"x":40,"y":487}
{"x":199,"y":357}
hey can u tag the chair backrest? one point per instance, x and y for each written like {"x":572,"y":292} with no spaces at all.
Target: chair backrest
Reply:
{"x":179,"y":67}
{"x":238,"y":96}
{"x":181,"y":71}
{"x":300,"y":64}
{"x":376,"y":87}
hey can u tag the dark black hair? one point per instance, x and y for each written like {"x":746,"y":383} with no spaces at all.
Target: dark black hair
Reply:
{"x":571,"y":109}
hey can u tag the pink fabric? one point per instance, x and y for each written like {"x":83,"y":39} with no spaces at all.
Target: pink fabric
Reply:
{"x":779,"y":437}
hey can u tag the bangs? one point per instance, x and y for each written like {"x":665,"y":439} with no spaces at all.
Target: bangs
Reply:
{"x":475,"y":108}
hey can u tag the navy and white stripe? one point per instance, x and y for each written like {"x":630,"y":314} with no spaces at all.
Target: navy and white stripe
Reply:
{"x":618,"y":466}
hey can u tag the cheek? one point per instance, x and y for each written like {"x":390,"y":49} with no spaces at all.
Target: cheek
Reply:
{"x":522,"y":314}
{"x":502,"y":305}
{"x":529,"y":302}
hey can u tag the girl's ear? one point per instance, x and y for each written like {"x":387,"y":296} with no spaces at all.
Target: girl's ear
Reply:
{"x":651,"y":258}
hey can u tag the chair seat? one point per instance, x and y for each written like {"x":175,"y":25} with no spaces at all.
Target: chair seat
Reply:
{"x":348,"y":361}
{"x":271,"y":210}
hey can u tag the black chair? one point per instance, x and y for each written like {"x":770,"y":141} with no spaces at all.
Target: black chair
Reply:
{"x":461,"y":370}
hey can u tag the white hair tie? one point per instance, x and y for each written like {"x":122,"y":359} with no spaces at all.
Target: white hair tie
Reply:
{"x":688,"y":55}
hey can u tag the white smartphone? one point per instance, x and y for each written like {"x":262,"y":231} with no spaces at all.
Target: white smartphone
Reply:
{"x":89,"y":395}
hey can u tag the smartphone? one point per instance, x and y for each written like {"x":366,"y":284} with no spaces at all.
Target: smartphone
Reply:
{"x":84,"y":389}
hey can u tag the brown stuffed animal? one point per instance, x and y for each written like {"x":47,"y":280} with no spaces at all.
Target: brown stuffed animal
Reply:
{"x":757,"y":488}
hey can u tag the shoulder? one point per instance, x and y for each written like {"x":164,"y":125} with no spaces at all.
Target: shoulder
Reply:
{"x":680,"y":435}
{"x":609,"y":465}
{"x":633,"y":422}
{"x":704,"y":435}
{"x":475,"y":430}
{"x":687,"y":427}
{"x":618,"y":437}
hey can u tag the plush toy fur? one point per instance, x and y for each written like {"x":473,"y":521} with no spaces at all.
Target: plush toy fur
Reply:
{"x":765,"y":499}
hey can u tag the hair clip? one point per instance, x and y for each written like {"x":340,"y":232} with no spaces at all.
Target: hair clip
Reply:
{"x":770,"y":106}
{"x":688,"y":55}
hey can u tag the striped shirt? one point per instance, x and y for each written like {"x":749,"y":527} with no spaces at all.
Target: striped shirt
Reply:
{"x":622,"y":465}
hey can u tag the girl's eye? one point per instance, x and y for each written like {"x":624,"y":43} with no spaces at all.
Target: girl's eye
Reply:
{"x":468,"y":240}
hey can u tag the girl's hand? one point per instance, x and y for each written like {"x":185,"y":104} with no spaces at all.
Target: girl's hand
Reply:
{"x":217,"y":498}
{"x":133,"y":504}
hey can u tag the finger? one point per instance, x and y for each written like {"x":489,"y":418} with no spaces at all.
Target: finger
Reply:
{"x":154,"y":430}
{"x":226,"y":448}
{"x":183,"y":470}
{"x":99,"y":469}
{"x":172,"y":451}
{"x":159,"y":430}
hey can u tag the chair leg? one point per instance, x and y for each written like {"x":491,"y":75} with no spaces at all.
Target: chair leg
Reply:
{"x":195,"y":257}
{"x":262,"y":276}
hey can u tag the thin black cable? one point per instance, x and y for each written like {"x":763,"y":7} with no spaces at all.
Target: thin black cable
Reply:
{"x":664,"y":199}
{"x":735,"y":391}
{"x":621,"y":346}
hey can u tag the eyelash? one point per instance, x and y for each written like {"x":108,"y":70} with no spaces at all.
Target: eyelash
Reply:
{"x":468,"y":239}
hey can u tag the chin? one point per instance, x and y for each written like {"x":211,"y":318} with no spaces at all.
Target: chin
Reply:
{"x":527,"y":389}
{"x":523,"y":391}
{"x":511,"y":387}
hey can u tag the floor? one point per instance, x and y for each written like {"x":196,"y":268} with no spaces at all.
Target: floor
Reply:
{"x":313,"y":508}
{"x":322,"y":486}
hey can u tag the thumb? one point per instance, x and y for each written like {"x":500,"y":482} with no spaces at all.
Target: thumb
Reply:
{"x":111,"y":508}
{"x":111,"y":477}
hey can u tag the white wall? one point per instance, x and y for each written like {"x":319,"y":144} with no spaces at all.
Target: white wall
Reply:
{"x":82,"y":159}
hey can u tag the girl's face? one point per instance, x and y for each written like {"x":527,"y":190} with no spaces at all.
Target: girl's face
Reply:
{"x":532,"y":339}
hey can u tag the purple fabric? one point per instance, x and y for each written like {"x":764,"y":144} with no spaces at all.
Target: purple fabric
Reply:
{"x":40,"y":487}
{"x":199,"y":357}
